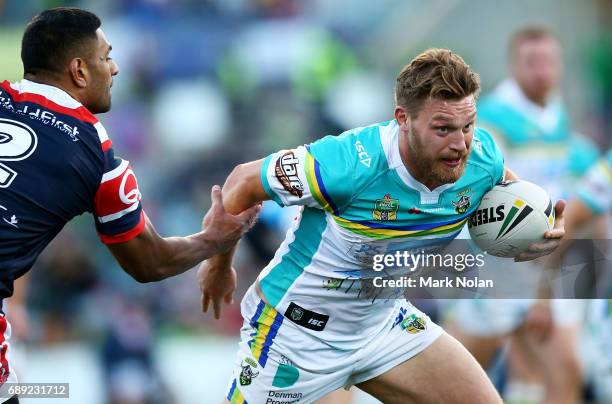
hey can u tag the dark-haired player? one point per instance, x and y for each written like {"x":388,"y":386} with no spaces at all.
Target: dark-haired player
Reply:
{"x":57,"y":162}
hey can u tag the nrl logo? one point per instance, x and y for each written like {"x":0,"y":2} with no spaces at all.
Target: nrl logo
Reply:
{"x":297,"y":314}
{"x":385,"y":208}
{"x":464,"y":202}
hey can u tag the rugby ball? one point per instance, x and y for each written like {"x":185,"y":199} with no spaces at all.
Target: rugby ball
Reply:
{"x":511,"y":216}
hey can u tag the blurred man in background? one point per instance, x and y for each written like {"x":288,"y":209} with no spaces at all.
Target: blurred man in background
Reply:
{"x":58,"y":162}
{"x":527,"y":117}
{"x":591,"y":207}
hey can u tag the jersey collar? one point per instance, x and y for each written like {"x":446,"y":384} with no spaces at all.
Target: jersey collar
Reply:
{"x":55,"y":94}
{"x":390,"y":140}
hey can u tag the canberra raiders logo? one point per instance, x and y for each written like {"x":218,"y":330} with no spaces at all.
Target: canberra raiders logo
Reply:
{"x":385,"y":208}
{"x":413,"y":324}
{"x":464,"y":202}
{"x":247,"y":374}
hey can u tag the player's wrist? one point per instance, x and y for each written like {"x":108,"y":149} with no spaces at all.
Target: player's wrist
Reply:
{"x":221,"y":261}
{"x":213,"y":250}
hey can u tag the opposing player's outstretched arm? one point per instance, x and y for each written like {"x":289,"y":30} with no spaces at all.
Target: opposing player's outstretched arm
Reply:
{"x":149,"y":257}
{"x":243,"y":189}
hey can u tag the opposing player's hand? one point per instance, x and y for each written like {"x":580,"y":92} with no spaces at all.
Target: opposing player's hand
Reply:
{"x":552,"y":238}
{"x":224,"y":228}
{"x":217,"y":286}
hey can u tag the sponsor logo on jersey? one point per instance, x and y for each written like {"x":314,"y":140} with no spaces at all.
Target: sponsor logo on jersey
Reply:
{"x":400,"y":317}
{"x":385,"y":209}
{"x":283,"y":397}
{"x":248,"y":374}
{"x":488,"y":215}
{"x":364,"y":158}
{"x":42,"y":115}
{"x":306,"y":318}
{"x":464,"y":202}
{"x":415,"y":211}
{"x":518,"y":212}
{"x":286,"y":171}
{"x":413,"y":324}
{"x":332,"y":283}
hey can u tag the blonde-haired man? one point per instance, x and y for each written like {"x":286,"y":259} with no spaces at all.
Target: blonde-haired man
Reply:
{"x":312,"y":322}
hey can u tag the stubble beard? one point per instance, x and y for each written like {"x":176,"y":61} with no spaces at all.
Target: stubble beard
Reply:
{"x":432,"y":169}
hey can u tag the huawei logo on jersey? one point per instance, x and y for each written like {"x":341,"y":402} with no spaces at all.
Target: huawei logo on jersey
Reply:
{"x":286,"y":171}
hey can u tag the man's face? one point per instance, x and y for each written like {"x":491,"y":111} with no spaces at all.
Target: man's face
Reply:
{"x":536,"y":66}
{"x":438,"y":140}
{"x":101,"y":68}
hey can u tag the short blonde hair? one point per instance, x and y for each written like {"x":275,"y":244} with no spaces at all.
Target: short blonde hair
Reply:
{"x":435,"y":73}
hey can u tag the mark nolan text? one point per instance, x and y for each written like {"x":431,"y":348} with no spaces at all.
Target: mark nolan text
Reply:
{"x":429,"y":282}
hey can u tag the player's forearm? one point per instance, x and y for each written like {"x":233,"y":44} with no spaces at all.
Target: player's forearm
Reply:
{"x":150,"y":258}
{"x":241,"y":190}
{"x":179,"y":254}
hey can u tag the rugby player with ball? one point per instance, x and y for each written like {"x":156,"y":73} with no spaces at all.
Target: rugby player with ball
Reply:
{"x":396,"y":185}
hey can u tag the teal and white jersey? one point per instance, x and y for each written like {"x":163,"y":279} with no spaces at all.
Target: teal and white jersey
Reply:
{"x":537,"y":141}
{"x":596,"y":188}
{"x":359,"y":200}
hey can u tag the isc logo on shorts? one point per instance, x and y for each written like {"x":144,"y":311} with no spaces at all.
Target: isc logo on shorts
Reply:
{"x":306,"y":318}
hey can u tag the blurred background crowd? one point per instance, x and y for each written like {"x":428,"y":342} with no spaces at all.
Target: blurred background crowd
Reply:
{"x":207,"y":84}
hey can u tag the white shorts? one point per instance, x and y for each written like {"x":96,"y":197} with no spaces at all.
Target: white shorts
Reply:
{"x":277,"y":362}
{"x":495,"y":317}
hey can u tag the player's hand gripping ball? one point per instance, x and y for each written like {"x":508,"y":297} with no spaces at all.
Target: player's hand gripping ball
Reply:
{"x":511,"y":217}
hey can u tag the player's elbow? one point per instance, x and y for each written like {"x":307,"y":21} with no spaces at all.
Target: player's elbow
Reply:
{"x":238,"y":179}
{"x":244,"y":183}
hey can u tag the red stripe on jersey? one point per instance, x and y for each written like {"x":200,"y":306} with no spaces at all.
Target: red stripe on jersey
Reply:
{"x":106,"y":145}
{"x":117,"y":194}
{"x":125,"y":236}
{"x":81,"y":113}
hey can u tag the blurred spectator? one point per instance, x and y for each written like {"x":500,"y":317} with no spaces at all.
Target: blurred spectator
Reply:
{"x":528,"y":118}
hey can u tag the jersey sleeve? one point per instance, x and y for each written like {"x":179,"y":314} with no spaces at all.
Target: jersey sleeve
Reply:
{"x":488,"y":155}
{"x":316,"y":175}
{"x":596,"y":188}
{"x":117,"y":204}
